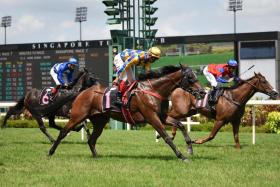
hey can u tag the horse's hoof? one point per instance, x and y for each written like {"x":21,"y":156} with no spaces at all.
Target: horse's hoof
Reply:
{"x":49,"y":156}
{"x":186,"y":160}
{"x":190,"y":151}
{"x":51,"y":152}
{"x":94,"y":156}
{"x":195,"y":142}
{"x":237,"y":147}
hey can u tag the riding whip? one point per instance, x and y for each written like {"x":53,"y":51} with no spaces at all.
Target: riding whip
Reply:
{"x":246,"y":70}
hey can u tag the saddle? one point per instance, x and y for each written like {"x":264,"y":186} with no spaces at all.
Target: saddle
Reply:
{"x":110,"y":101}
{"x":210,"y":99}
{"x":47,"y":97}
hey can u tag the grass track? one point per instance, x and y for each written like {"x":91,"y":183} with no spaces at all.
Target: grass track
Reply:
{"x":132,"y":158}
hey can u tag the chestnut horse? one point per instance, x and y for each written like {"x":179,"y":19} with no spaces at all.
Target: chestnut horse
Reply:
{"x":229,"y":107}
{"x":59,"y":107}
{"x":145,"y":105}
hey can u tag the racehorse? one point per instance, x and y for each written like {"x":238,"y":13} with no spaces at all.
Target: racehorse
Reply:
{"x":145,"y":104}
{"x":230,"y":106}
{"x":60,"y":106}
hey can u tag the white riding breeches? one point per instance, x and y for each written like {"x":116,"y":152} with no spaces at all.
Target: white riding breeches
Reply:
{"x":128,"y":75}
{"x":210,"y":77}
{"x":54,"y":76}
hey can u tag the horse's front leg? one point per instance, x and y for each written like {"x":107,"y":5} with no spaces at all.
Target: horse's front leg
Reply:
{"x":99,"y":124}
{"x":43,"y":128}
{"x":75,"y":119}
{"x":235,"y":129}
{"x":177,"y":124}
{"x":86,"y":129}
{"x":216,"y":128}
{"x":154,"y":120}
{"x":52,"y":123}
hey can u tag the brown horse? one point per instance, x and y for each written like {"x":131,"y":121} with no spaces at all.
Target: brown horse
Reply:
{"x":229,"y":107}
{"x":61,"y":105}
{"x":145,"y":105}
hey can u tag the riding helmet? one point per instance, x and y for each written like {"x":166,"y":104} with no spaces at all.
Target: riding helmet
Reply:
{"x":73,"y":61}
{"x":155,"y":52}
{"x":232,"y":63}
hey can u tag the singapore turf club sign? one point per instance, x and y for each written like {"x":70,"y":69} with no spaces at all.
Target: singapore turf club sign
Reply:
{"x":69,"y":45}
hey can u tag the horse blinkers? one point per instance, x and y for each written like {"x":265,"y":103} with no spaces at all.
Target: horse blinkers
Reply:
{"x":189,"y":78}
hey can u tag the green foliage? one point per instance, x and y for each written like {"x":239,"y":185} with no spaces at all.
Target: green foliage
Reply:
{"x":21,"y":123}
{"x":261,"y":112}
{"x":273,"y":121}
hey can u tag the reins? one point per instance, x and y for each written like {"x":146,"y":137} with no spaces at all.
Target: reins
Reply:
{"x":151,"y":92}
{"x":230,"y":98}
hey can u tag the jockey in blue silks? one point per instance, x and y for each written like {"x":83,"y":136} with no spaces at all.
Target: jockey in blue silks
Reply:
{"x":61,"y":70}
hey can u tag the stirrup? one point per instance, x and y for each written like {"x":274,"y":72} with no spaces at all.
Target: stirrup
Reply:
{"x":118,"y":103}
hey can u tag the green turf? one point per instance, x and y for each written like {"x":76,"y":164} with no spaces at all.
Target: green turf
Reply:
{"x":195,"y":61}
{"x":132,"y":158}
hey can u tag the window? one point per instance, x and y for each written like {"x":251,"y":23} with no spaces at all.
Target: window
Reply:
{"x":257,"y":50}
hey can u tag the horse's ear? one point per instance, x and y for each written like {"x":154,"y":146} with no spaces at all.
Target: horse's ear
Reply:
{"x":255,"y":73}
{"x":181,"y":65}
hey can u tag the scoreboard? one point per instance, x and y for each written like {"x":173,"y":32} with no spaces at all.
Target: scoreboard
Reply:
{"x":27,"y":66}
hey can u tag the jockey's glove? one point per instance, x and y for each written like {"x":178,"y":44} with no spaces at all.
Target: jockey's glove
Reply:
{"x":230,"y":79}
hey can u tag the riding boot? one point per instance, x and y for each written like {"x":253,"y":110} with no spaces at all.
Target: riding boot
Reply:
{"x":54,"y":92}
{"x":118,"y":101}
{"x":213,"y":96}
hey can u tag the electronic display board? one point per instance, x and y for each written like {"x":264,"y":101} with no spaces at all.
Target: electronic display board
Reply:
{"x":27,"y":66}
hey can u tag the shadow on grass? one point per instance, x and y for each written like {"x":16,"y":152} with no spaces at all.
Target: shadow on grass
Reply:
{"x":48,"y":143}
{"x":139,"y":157}
{"x":220,"y":146}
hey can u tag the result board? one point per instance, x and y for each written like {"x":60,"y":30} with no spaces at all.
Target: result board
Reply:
{"x":27,"y":66}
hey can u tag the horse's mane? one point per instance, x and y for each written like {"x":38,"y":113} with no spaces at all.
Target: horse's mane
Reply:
{"x":241,"y":82}
{"x":158,"y":73}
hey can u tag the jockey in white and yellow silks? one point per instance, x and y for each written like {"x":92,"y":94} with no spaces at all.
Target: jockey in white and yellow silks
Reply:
{"x":128,"y":58}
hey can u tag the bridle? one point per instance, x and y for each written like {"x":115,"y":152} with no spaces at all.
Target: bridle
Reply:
{"x":271,"y":94}
{"x":189,"y":77}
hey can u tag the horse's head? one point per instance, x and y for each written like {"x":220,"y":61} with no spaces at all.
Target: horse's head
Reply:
{"x":88,"y":80}
{"x":263,"y":86}
{"x":84,"y":80}
{"x":189,"y":81}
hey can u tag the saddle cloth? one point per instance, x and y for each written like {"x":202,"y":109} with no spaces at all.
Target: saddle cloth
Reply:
{"x":110,"y":96}
{"x":205,"y":103}
{"x":45,"y":97}
{"x":202,"y":103}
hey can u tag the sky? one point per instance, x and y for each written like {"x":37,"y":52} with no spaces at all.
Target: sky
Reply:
{"x":53,"y":20}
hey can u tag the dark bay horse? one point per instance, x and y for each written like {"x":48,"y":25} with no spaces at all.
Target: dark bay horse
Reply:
{"x":59,"y":107}
{"x":145,"y":105}
{"x":230,"y":106}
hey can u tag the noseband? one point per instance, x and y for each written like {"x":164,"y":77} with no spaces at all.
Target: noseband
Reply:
{"x":271,"y":94}
{"x":189,"y":77}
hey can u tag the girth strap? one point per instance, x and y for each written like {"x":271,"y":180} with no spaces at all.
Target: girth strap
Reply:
{"x":155,"y":94}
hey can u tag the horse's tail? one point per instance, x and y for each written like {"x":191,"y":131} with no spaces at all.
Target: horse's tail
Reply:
{"x":14,"y":110}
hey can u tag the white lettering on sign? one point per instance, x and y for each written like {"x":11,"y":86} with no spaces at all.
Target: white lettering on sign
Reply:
{"x":62,"y":45}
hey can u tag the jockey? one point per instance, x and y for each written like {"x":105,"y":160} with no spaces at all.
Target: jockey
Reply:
{"x":59,"y":70}
{"x":128,"y":58}
{"x":124,"y":62}
{"x":216,"y":73}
